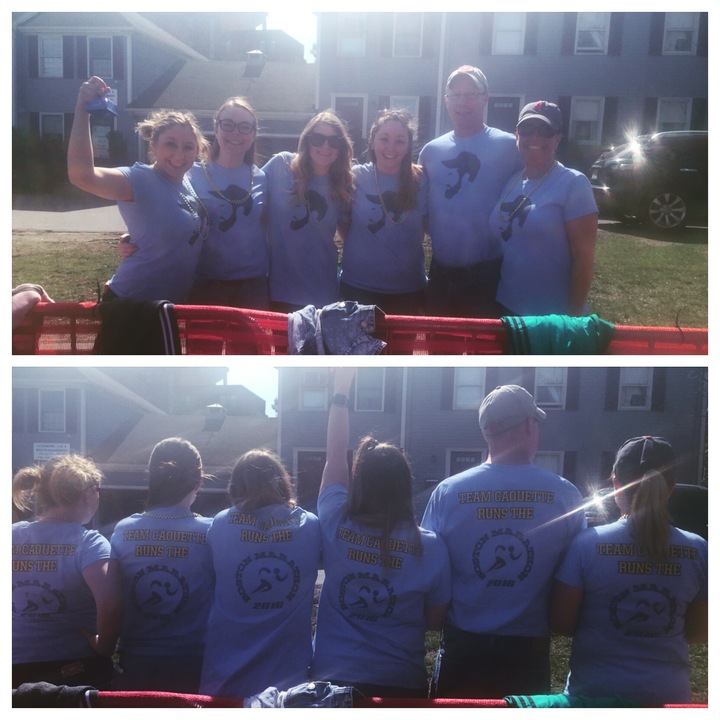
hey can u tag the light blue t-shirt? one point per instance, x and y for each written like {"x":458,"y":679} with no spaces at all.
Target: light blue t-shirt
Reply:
{"x":51,"y":601}
{"x":167,"y":223}
{"x":167,"y":579}
{"x":466,"y":176}
{"x":383,"y":251}
{"x":630,"y":637}
{"x":371,"y":622}
{"x":303,"y":254}
{"x":506,"y":528}
{"x":259,"y":633}
{"x":236,"y":248}
{"x":537,"y":260}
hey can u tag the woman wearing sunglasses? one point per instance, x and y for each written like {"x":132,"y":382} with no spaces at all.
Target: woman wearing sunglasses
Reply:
{"x":546,"y":220}
{"x":383,"y":259}
{"x":233,"y":266}
{"x":308,"y":191}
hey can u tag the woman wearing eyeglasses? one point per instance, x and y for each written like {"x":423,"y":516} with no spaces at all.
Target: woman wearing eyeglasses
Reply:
{"x":383,"y":258}
{"x":546,"y":221}
{"x":233,"y":266}
{"x":308,"y":191}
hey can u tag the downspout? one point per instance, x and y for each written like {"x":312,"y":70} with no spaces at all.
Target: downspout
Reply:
{"x":441,"y":73}
{"x":403,"y":408}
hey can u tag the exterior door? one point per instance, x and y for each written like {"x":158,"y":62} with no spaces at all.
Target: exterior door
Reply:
{"x":352,"y":110}
{"x":464,"y":460}
{"x":310,"y":464}
{"x":502,"y":113}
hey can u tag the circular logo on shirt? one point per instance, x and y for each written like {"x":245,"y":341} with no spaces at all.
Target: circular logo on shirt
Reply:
{"x":366,"y":596}
{"x":267,"y":580}
{"x":644,"y":610}
{"x":159,"y":592}
{"x":35,"y":599}
{"x":502,"y":557}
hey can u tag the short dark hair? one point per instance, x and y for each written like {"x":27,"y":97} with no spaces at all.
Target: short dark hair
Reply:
{"x":175,"y":468}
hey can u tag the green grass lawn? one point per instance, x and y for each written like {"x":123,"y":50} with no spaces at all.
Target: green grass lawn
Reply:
{"x":560,"y":662}
{"x":639,"y":280}
{"x":659,"y":282}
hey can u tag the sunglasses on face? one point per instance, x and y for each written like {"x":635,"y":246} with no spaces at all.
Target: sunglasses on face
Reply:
{"x":318,"y":140}
{"x":541,"y":129}
{"x":244,"y":128}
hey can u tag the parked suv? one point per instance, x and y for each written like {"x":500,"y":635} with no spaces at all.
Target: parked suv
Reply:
{"x":660,"y":180}
{"x":688,"y":507}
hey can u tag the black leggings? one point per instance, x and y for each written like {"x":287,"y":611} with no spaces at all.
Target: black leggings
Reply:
{"x":490,"y":666}
{"x":95,"y":671}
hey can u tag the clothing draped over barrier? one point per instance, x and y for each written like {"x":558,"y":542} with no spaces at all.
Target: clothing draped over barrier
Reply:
{"x":560,"y":700}
{"x":72,"y":328}
{"x":45,"y":695}
{"x":558,"y":335}
{"x":342,"y":328}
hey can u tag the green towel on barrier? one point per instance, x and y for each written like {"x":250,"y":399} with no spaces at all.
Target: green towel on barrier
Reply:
{"x":565,"y":701}
{"x":557,"y":335}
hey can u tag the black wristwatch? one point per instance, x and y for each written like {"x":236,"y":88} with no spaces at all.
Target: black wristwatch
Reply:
{"x":341,"y":400}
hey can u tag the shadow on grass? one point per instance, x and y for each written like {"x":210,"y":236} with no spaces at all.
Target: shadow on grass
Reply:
{"x":686,"y":236}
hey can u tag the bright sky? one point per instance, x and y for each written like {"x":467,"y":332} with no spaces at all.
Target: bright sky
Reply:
{"x":300,"y":25}
{"x":258,"y":375}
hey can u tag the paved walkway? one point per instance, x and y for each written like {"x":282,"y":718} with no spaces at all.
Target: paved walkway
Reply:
{"x":96,"y":219}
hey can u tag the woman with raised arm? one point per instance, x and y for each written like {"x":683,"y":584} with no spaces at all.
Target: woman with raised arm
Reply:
{"x":387,"y":580}
{"x":634,"y":593}
{"x":66,"y":599}
{"x":165,"y":217}
{"x":167,"y":576}
{"x":308,"y":192}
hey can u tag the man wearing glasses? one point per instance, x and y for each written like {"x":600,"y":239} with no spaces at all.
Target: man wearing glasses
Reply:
{"x":467,"y":169}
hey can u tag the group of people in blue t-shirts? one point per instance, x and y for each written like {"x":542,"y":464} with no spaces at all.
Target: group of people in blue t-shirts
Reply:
{"x":512,"y":231}
{"x":228,"y":607}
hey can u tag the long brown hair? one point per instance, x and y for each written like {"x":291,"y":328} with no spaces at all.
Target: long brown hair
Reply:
{"x":259,"y":478}
{"x":410,"y":172}
{"x":341,"y":177}
{"x":644,"y":467}
{"x":380,"y":493}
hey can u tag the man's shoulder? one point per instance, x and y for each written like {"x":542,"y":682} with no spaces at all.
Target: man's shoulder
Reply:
{"x":438,"y":143}
{"x":465,"y":475}
{"x":498,"y":134}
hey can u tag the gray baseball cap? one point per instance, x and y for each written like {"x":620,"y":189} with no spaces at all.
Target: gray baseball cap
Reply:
{"x":505,"y":407}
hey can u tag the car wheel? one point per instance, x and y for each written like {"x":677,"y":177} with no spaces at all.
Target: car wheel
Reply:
{"x":667,"y":211}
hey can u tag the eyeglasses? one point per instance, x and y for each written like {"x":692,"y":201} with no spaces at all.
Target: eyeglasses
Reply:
{"x":469,"y":96}
{"x":541,"y":129}
{"x":244,"y":128}
{"x":317,"y":140}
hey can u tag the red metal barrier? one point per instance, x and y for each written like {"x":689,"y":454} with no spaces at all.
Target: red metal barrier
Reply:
{"x":71,"y":328}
